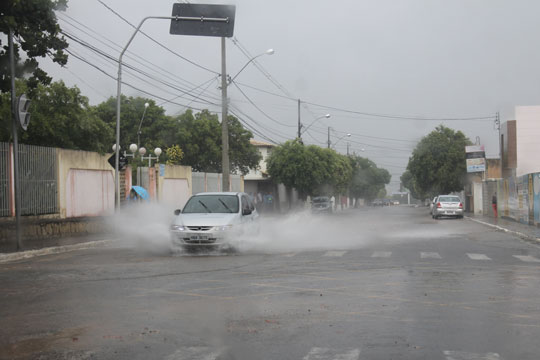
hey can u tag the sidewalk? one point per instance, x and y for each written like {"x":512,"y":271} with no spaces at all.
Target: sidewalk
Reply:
{"x":528,"y":232}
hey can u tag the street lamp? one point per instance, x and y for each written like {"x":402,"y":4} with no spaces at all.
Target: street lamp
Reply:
{"x":346,"y":135}
{"x":327,"y":116}
{"x":132,"y":148}
{"x":140,"y":124}
{"x":224,"y":109}
{"x":267,"y":52}
{"x":157,"y":151}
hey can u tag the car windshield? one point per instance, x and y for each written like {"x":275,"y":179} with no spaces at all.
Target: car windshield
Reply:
{"x":449,"y":199}
{"x":212,"y":204}
{"x":320,"y":199}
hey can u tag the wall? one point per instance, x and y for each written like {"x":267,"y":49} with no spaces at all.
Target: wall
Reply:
{"x":83,"y":160}
{"x":528,"y":135}
{"x":174,"y":185}
{"x":508,"y":148}
{"x":259,"y":174}
{"x":494,"y":170}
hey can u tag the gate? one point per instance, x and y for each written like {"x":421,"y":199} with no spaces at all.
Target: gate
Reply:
{"x":38,"y":177}
{"x":4,"y":179}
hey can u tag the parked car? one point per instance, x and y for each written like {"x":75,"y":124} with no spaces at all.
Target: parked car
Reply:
{"x":321,"y":204}
{"x":214,"y":220}
{"x":447,"y":205}
{"x":377,"y":202}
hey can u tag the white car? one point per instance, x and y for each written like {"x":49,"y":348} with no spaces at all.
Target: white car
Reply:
{"x":214,"y":220}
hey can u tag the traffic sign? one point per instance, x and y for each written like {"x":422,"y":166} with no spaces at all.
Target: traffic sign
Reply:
{"x":122,"y":163}
{"x":204,"y":20}
{"x":23,"y":103}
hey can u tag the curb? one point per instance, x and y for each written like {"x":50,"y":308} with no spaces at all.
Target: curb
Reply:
{"x":4,"y":258}
{"x":500,"y":228}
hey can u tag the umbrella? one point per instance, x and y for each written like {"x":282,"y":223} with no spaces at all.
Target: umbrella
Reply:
{"x":141,"y":192}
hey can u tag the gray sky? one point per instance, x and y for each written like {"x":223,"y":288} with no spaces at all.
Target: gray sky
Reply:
{"x":434,"y":59}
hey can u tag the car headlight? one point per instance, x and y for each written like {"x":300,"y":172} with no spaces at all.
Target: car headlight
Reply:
{"x":178,"y":227}
{"x":223,"y":228}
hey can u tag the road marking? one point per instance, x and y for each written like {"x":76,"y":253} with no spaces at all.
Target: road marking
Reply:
{"x":290,"y":254}
{"x":478,"y":257}
{"x":381,"y":254}
{"x":463,"y":355}
{"x":194,"y":353}
{"x":334,"y":253}
{"x":430,"y":255}
{"x":318,"y":353}
{"x":527,"y":258}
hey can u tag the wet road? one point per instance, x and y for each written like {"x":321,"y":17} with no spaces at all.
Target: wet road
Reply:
{"x":387,"y":283}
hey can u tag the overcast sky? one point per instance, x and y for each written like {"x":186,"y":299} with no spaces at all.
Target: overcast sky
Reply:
{"x":430,"y":59}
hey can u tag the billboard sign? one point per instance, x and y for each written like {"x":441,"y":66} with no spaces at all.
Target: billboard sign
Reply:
{"x":476,"y":165}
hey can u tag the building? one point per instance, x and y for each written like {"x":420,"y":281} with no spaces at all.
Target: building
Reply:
{"x":258,"y":181}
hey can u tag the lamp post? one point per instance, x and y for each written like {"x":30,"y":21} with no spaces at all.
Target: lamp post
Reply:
{"x":338,"y":140}
{"x":157,"y":151}
{"x":327,"y":116}
{"x":140,"y":124}
{"x":224,"y":110}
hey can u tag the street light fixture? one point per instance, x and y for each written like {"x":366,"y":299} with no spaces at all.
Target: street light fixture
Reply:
{"x":346,"y":135}
{"x":157,"y":151}
{"x":327,"y":116}
{"x":267,"y":52}
{"x":140,"y":124}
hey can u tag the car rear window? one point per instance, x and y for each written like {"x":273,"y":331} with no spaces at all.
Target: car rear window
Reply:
{"x":449,"y":199}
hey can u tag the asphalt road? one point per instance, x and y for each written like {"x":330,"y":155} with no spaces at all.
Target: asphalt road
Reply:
{"x":386,"y":283}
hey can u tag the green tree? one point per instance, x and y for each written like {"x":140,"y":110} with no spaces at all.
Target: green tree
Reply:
{"x":309,"y":169}
{"x":157,"y":129}
{"x":200,"y":137}
{"x":367,"y":179}
{"x":437,"y":164}
{"x":408,"y":182}
{"x":37,"y":34}
{"x":61,"y":117}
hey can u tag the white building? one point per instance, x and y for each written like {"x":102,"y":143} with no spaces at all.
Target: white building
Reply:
{"x":527,"y":139}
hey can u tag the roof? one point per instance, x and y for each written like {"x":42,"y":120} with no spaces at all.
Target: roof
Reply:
{"x":218,"y":193}
{"x":260,"y":143}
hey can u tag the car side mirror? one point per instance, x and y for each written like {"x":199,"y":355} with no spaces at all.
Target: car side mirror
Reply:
{"x":246,"y":211}
{"x":177,"y":212}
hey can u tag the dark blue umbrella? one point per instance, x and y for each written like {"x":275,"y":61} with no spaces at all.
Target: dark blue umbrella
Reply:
{"x":141,"y":192}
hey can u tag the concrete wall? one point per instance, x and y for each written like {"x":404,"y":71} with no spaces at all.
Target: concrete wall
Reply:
{"x":508,"y":148}
{"x":494,"y":170}
{"x":81,"y":160}
{"x":528,"y":139}
{"x":174,"y":185}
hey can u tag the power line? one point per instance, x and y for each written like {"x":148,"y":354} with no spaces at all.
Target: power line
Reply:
{"x":155,"y":41}
{"x":260,"y":110}
{"x":117,"y":48}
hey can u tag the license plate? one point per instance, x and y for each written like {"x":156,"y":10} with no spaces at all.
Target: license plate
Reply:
{"x":198,"y":237}
{"x":451,"y":212}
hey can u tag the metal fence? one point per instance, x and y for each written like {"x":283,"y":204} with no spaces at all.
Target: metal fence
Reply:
{"x":38,"y":177}
{"x":4,"y":179}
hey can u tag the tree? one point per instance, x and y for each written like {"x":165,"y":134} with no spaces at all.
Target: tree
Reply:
{"x":174,"y":155}
{"x":200,"y":137}
{"x":37,"y":34}
{"x":309,"y":169}
{"x":437,"y":164}
{"x":62,"y":117}
{"x":367,"y":179}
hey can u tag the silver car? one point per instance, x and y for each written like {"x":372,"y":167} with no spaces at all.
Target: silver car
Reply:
{"x":214,"y":220}
{"x":447,"y":205}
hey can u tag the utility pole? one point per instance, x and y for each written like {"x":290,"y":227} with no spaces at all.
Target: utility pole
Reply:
{"x":15,"y":142}
{"x":347,"y":148}
{"x":224,"y":125}
{"x":299,"y":123}
{"x":329,"y":137}
{"x":498,"y":123}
